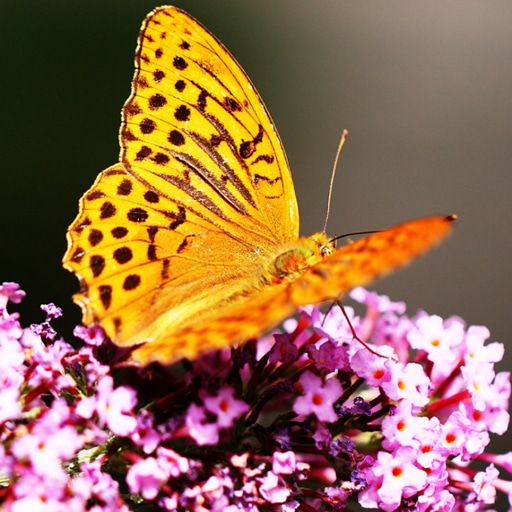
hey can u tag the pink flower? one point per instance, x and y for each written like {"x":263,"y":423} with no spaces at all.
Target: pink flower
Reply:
{"x":92,"y":335}
{"x":94,"y":484}
{"x":477,"y":352}
{"x":404,"y":428}
{"x":10,"y":405}
{"x":318,"y":397}
{"x":10,"y":292}
{"x":372,"y":367}
{"x":284,"y":463}
{"x":225,"y":406}
{"x":395,"y":476}
{"x":146,"y":477}
{"x":407,"y":381}
{"x":455,"y":433}
{"x":113,"y":406}
{"x":199,"y":429}
{"x":440,"y":339}
{"x":172,"y":462}
{"x":381,"y":303}
{"x":145,"y":435}
{"x":479,"y":383}
{"x":273,"y":489}
{"x":484,"y":485}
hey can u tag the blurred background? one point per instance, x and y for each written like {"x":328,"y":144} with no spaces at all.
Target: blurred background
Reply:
{"x":424,"y":88}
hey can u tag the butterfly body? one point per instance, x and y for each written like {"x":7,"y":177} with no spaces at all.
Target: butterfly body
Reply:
{"x":191,"y":242}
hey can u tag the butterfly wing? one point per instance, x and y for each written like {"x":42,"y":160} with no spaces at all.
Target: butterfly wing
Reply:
{"x":352,"y":265}
{"x":201,"y":198}
{"x":195,"y":130}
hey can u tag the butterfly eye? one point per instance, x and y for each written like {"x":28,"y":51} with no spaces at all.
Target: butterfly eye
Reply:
{"x":328,"y":248}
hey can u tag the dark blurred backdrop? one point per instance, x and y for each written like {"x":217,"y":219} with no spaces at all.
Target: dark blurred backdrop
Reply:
{"x":425,"y":89}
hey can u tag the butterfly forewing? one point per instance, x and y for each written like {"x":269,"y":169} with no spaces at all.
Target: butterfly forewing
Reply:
{"x":196,"y":130}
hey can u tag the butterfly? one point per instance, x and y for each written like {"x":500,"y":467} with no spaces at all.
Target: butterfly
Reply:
{"x":191,"y":242}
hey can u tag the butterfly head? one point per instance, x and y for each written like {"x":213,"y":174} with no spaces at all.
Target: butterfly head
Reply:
{"x":304,"y":254}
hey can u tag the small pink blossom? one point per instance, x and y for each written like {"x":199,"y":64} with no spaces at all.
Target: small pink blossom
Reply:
{"x":225,"y":406}
{"x":405,"y":428}
{"x":10,"y":292}
{"x":397,"y":476}
{"x":484,"y":485}
{"x":113,"y":406}
{"x":318,"y":397}
{"x":284,"y":463}
{"x":145,"y":435}
{"x":381,"y":303}
{"x":273,"y":489}
{"x":476,"y":352}
{"x":145,"y":477}
{"x":92,"y":335}
{"x":440,"y":339}
{"x":199,"y":428}
{"x":407,"y":381}
{"x":372,"y":367}
{"x":172,"y":462}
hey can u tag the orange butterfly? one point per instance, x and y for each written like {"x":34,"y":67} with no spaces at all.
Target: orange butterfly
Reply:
{"x":191,"y":242}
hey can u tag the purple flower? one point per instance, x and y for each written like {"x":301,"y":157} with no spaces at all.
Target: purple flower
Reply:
{"x":52,"y":311}
{"x":283,"y":350}
{"x":330,"y":356}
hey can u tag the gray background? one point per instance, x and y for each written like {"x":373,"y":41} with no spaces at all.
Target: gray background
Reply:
{"x":423,"y":87}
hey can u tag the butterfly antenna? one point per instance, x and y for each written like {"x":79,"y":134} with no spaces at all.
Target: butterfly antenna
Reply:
{"x":338,"y":152}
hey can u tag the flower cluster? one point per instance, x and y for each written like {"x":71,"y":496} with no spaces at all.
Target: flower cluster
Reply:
{"x":383,"y":409}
